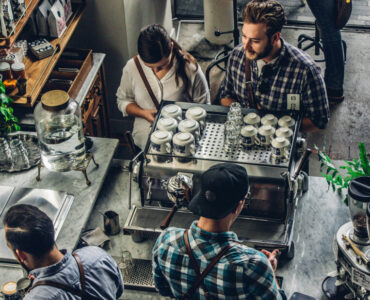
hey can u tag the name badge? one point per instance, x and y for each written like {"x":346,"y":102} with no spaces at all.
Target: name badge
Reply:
{"x":293,"y":101}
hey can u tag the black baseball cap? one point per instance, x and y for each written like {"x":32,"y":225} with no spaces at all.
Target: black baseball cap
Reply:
{"x":222,"y":187}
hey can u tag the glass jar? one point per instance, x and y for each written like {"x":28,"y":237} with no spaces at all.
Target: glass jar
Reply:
{"x":5,"y":70}
{"x":59,"y":131}
{"x":358,"y":199}
{"x":18,"y":70}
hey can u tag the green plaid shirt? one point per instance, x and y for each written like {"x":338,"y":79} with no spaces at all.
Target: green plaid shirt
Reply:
{"x":242,"y":273}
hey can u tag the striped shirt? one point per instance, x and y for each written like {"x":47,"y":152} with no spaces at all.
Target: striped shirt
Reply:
{"x":294,"y":76}
{"x":242,"y":273}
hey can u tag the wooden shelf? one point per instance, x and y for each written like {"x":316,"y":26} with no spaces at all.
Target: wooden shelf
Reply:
{"x":38,"y":71}
{"x":7,"y":42}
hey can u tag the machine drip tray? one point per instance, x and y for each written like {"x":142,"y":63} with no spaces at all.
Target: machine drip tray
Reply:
{"x":253,"y":232}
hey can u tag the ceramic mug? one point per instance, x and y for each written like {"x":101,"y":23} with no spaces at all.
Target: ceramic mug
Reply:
{"x":265,"y":135}
{"x":191,"y":126}
{"x":280,"y":148}
{"x":23,"y":285}
{"x":286,"y":121}
{"x":252,"y":119}
{"x":199,"y":114}
{"x":269,"y":119}
{"x":183,"y":146}
{"x":167,"y":124}
{"x":172,"y":111}
{"x":160,"y":144}
{"x":9,"y":291}
{"x":284,"y":132}
{"x":248,"y":136}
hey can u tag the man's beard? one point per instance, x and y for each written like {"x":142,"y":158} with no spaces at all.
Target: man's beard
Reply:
{"x":266,"y":52}
{"x":22,"y":264}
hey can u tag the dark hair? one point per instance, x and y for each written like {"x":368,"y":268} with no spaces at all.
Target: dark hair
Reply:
{"x":29,"y":229}
{"x":269,"y":12}
{"x":154,"y":43}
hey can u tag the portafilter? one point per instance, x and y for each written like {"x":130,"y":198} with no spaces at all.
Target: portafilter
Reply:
{"x":179,"y":192}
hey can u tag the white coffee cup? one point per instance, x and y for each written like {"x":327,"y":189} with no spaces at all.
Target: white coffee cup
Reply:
{"x":248,"y":136}
{"x":197,"y":113}
{"x":252,"y":119}
{"x":183,"y":146}
{"x":280,"y":147}
{"x":160,"y":144}
{"x":286,"y":121}
{"x":191,"y":126}
{"x":269,"y":119}
{"x":167,"y":124}
{"x":284,"y":132}
{"x":172,"y":111}
{"x":265,"y":135}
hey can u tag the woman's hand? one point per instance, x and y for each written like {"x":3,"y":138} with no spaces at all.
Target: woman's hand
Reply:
{"x":133,"y":109}
{"x":149,"y":114}
{"x":271,"y":257}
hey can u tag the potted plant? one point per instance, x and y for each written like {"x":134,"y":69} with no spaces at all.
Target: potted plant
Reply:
{"x":340,"y":180}
{"x":8,"y":122}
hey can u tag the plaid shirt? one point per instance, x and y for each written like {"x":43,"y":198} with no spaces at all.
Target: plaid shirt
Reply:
{"x":294,"y":73}
{"x":242,"y":273}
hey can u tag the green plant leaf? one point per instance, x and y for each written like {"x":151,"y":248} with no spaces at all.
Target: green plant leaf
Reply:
{"x":363,"y":159}
{"x":2,"y":87}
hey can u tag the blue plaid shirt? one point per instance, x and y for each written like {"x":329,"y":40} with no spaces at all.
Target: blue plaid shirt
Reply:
{"x":242,"y":273}
{"x":294,"y":73}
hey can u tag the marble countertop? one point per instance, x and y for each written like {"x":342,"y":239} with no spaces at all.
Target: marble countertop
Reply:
{"x":319,"y":215}
{"x":72,"y":182}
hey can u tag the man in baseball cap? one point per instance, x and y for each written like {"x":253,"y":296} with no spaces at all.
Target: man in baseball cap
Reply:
{"x":207,"y":260}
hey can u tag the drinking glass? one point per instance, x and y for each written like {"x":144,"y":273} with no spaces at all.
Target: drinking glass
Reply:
{"x":127,"y":264}
{"x":231,"y":134}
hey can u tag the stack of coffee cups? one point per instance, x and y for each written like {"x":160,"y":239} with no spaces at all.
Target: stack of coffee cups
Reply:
{"x":198,"y":114}
{"x":161,"y":145}
{"x":280,"y":145}
{"x":183,"y":146}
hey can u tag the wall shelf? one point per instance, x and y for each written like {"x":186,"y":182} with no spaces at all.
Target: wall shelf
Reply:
{"x":38,"y":71}
{"x":7,"y":42}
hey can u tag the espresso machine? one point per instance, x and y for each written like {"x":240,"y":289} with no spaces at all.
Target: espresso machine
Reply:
{"x":351,"y":248}
{"x":275,"y":185}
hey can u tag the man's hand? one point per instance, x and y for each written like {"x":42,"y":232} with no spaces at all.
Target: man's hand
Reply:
{"x":149,"y":114}
{"x":271,"y":257}
{"x":226,"y":101}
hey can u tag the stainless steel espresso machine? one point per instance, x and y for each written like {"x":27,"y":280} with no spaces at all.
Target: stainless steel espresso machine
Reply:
{"x":351,"y":280}
{"x":166,"y":181}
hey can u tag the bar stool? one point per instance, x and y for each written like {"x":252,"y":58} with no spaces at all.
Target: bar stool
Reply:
{"x":316,"y":42}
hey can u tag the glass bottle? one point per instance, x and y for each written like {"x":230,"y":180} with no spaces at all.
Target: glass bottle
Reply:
{"x":59,"y":131}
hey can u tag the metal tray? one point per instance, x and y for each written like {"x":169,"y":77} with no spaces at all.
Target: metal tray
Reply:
{"x":18,"y":152}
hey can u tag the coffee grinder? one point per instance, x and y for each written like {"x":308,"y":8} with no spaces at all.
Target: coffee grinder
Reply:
{"x":352,"y":248}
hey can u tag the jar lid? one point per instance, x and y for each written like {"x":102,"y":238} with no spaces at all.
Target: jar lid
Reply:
{"x":55,"y":100}
{"x":18,"y":66}
{"x":4,"y":66}
{"x":359,"y":189}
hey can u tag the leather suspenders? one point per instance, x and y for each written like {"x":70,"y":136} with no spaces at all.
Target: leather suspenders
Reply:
{"x":146,"y":83}
{"x":201,"y":276}
{"x":81,"y":293}
{"x":248,"y":77}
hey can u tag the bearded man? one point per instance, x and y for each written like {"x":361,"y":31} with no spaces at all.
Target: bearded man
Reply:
{"x":266,"y":72}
